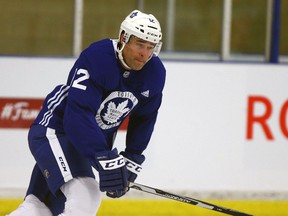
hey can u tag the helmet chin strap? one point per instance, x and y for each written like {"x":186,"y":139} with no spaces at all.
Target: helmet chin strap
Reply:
{"x":120,"y":56}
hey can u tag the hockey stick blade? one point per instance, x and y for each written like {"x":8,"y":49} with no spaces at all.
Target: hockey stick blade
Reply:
{"x":184,"y":199}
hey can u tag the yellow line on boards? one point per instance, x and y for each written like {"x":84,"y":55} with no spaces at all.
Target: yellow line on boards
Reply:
{"x":129,"y":207}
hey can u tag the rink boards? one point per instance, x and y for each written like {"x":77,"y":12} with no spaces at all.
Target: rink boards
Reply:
{"x":227,"y":125}
{"x":148,"y":207}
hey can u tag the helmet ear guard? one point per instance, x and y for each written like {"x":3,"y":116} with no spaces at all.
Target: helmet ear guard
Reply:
{"x":157,"y":48}
{"x":126,"y":36}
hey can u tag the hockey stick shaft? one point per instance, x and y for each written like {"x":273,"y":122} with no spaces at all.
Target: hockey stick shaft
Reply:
{"x":187,"y":200}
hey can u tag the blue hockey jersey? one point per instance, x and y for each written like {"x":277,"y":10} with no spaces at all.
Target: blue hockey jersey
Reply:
{"x":99,"y":95}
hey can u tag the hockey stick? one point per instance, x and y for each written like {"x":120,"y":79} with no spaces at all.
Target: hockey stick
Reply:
{"x":184,"y":199}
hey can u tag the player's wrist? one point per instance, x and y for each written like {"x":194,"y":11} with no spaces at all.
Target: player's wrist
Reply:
{"x":137,"y":158}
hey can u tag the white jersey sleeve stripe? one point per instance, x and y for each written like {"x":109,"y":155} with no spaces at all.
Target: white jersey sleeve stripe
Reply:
{"x":52,"y":104}
{"x":57,"y":93}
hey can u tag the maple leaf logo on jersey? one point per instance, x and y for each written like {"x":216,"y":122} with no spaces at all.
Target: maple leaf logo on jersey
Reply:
{"x":114,"y":112}
{"x":114,"y":109}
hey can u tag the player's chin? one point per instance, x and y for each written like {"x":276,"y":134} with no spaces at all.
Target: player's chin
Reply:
{"x":138,"y":66}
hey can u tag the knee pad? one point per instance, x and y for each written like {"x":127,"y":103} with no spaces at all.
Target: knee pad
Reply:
{"x":83,"y":197}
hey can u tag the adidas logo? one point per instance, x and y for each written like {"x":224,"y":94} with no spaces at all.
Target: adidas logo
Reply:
{"x":145,"y":93}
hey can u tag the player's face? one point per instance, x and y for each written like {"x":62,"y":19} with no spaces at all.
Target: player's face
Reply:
{"x":137,"y":52}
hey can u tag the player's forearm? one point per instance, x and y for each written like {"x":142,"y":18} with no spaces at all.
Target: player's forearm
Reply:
{"x":139,"y":132}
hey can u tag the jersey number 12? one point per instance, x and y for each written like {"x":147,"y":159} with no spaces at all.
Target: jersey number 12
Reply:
{"x":84,"y":75}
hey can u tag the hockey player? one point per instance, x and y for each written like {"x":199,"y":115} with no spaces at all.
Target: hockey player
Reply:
{"x":75,"y":130}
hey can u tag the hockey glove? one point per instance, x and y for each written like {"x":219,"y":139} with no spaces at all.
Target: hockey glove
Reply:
{"x":133,"y":164}
{"x":112,"y":173}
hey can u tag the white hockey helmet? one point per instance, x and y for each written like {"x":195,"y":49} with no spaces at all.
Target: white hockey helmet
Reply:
{"x":144,"y":26}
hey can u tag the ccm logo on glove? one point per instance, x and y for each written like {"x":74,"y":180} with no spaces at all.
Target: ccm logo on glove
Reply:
{"x":132,"y":166}
{"x":113,"y":163}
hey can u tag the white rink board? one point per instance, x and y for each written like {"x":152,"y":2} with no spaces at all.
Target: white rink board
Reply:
{"x":200,"y":140}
